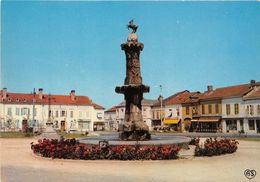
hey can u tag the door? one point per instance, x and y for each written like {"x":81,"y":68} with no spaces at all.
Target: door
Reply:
{"x":241,"y":125}
{"x":62,"y":126}
{"x":258,"y":126}
{"x":24,"y":125}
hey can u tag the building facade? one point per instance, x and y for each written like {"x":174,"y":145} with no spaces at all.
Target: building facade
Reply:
{"x":66,"y":112}
{"x":241,"y":110}
{"x":110,"y":118}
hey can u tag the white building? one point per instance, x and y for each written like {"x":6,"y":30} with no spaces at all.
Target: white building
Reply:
{"x":252,"y":111}
{"x":241,"y":111}
{"x":110,"y":118}
{"x":146,"y":112}
{"x":233,"y":113}
{"x":66,"y":112}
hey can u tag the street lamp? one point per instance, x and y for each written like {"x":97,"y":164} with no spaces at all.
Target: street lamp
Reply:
{"x":161,"y":101}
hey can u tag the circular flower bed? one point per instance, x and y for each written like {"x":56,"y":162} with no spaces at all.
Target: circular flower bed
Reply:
{"x":216,"y":147}
{"x":72,"y":149}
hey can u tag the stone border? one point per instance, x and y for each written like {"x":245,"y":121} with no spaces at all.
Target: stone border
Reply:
{"x":156,"y":140}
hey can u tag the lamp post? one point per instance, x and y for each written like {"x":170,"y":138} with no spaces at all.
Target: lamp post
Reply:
{"x":161,"y":101}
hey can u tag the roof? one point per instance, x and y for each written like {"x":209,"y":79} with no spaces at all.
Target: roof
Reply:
{"x":193,"y":98}
{"x":255,"y":94}
{"x":179,"y":98}
{"x":112,"y":109}
{"x":23,"y":98}
{"x":226,"y":92}
{"x":145,"y":102}
{"x":96,"y":106}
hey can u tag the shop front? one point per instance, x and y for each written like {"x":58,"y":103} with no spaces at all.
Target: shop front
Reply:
{"x":173,"y":124}
{"x":100,"y":126}
{"x":206,"y":124}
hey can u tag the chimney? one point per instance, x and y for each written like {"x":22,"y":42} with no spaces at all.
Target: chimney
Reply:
{"x":252,"y":82}
{"x":4,"y":93}
{"x":72,"y":95}
{"x":210,"y":88}
{"x":40,"y":93}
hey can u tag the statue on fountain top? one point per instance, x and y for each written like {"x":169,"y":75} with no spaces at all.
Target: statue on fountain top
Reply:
{"x":132,"y":37}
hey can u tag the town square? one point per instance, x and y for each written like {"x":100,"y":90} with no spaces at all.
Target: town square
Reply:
{"x":130,"y":91}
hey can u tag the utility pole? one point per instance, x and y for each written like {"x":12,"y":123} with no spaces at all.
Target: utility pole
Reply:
{"x":161,"y":100}
{"x":33,"y":111}
{"x":161,"y":103}
{"x":49,"y":109}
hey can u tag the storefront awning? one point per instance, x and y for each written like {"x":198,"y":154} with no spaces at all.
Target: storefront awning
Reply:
{"x":99,"y":123}
{"x":171,"y":121}
{"x":209,"y":119}
{"x":194,"y":120}
{"x":83,"y":121}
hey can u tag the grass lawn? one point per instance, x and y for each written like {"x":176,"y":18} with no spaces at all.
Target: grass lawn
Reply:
{"x":254,"y":139}
{"x":14,"y":134}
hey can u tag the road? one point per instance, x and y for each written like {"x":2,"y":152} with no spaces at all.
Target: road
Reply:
{"x":18,"y":163}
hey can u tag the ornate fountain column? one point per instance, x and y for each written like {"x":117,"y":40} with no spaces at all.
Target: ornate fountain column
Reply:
{"x":134,"y":127}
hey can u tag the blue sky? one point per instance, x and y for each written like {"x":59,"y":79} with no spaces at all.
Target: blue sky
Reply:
{"x":60,"y":46}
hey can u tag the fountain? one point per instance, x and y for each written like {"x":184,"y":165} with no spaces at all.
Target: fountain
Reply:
{"x":133,"y":127}
{"x":134,"y":130}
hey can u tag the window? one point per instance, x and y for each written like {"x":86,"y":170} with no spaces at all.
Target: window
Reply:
{"x":50,"y":113}
{"x":83,"y":125}
{"x":71,"y":114}
{"x":236,"y":109}
{"x":17,"y":111}
{"x":178,"y":112}
{"x":56,"y":123}
{"x":217,"y":108}
{"x":247,"y":109}
{"x":258,"y":109}
{"x":63,"y":113}
{"x":231,"y":125}
{"x":251,"y":110}
{"x":87,"y":114}
{"x":158,"y":115}
{"x":17,"y":123}
{"x":251,"y":124}
{"x":228,"y":109}
{"x":23,"y":111}
{"x":203,"y":109}
{"x":57,"y":114}
{"x":153,"y":115}
{"x":9,"y":111}
{"x":187,"y":110}
{"x":210,"y":108}
{"x":80,"y":114}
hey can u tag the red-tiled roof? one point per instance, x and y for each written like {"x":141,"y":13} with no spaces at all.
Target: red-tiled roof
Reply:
{"x":225,"y":92}
{"x":255,"y":94}
{"x":194,"y":97}
{"x":112,"y":109}
{"x":22,"y":98}
{"x":178,"y":98}
{"x":96,"y":106}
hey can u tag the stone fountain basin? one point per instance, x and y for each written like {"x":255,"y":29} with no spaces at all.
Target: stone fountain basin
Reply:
{"x":155,"y":140}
